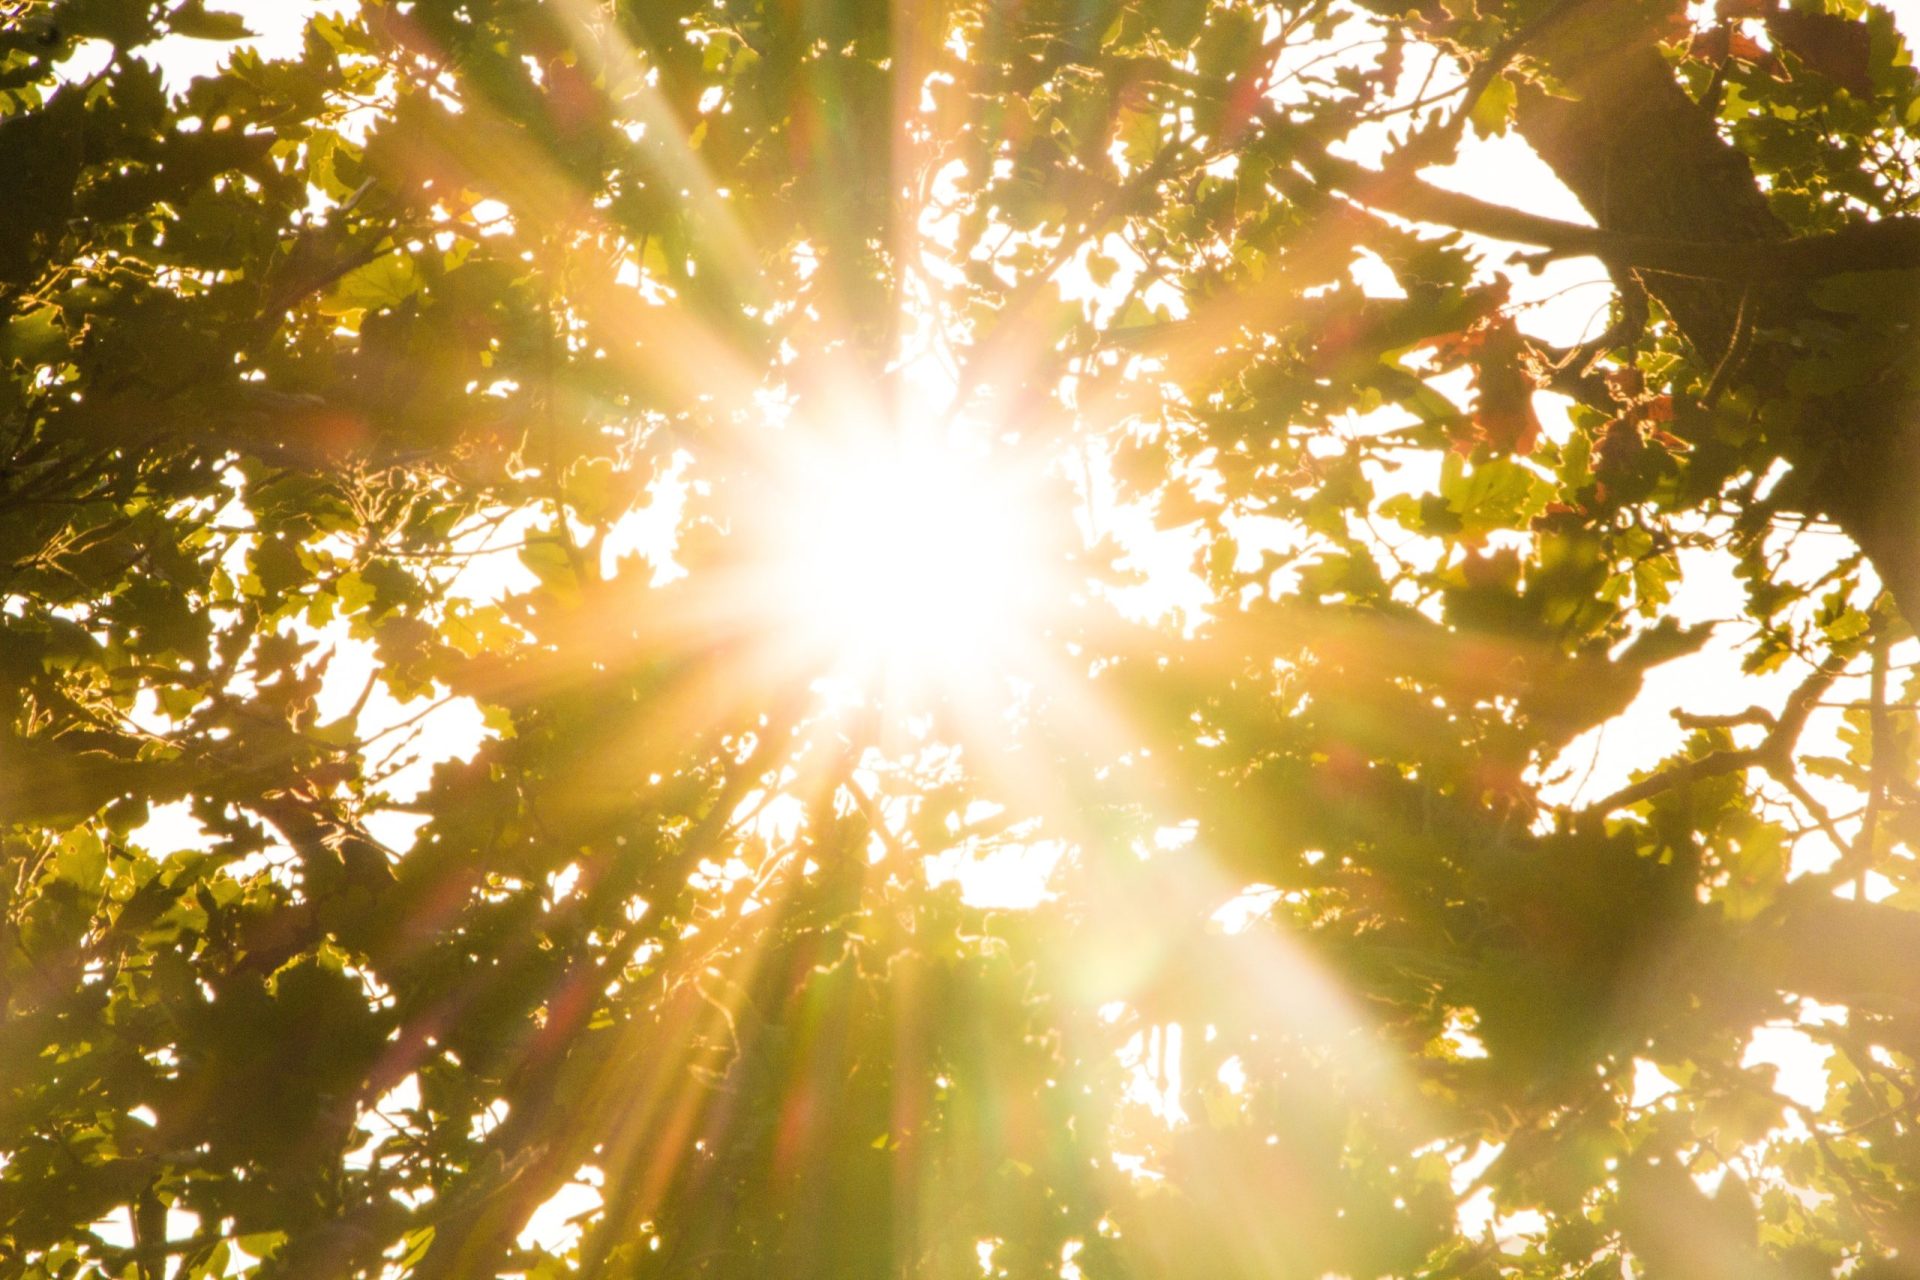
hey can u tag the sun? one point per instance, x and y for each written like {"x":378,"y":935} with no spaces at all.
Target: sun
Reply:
{"x":907,"y":560}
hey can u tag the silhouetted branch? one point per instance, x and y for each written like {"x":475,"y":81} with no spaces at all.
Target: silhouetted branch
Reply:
{"x":1774,"y":753}
{"x":1890,"y":244}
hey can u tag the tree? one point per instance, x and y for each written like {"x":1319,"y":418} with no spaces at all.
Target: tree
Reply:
{"x":301,"y":353}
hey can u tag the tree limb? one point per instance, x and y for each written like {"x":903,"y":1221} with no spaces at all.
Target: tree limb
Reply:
{"x":1890,"y":244}
{"x":1774,"y":753}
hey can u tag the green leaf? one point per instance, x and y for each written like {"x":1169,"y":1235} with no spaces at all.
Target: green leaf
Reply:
{"x":380,"y":285}
{"x":548,"y":559}
{"x":1492,"y":111}
{"x":591,"y":488}
{"x":1495,"y":493}
{"x":81,"y":860}
{"x":34,"y":337}
{"x":355,"y":593}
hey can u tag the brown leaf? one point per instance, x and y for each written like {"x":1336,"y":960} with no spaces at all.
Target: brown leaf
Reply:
{"x":1503,"y":402}
{"x":1838,"y":48}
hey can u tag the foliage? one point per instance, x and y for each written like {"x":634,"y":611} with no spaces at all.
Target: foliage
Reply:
{"x":296,"y":350}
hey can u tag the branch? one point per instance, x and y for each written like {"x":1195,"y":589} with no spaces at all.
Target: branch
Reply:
{"x":1685,"y":774}
{"x":1889,"y":244}
{"x":1752,"y":715}
{"x":1817,"y":811}
{"x":1774,"y":754}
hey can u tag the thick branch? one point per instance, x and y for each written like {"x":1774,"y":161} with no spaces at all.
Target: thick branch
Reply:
{"x":1682,"y":208}
{"x":1891,"y":244}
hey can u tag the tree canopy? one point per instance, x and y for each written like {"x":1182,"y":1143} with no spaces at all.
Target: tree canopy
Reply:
{"x":451,"y":828}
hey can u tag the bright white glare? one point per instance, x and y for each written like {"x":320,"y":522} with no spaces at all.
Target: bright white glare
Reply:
{"x":904,"y":561}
